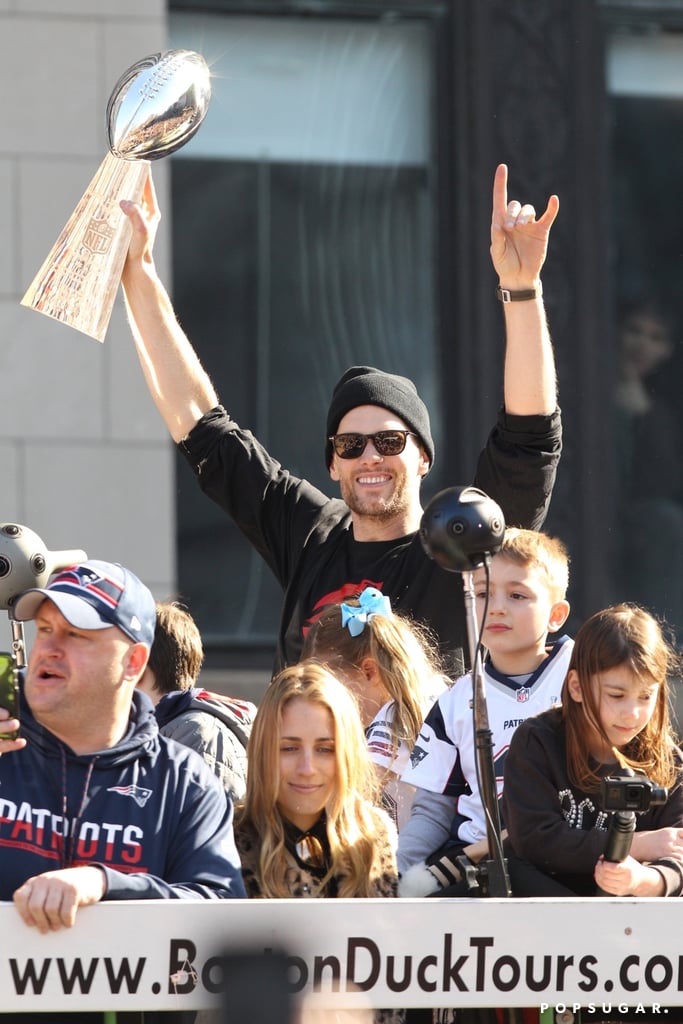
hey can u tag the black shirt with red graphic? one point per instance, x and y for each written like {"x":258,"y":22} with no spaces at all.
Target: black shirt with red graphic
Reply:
{"x":306,"y":538}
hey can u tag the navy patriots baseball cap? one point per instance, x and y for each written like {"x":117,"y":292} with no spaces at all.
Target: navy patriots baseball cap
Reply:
{"x":96,"y":595}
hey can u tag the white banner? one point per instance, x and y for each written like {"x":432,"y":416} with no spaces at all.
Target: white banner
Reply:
{"x":165,"y":955}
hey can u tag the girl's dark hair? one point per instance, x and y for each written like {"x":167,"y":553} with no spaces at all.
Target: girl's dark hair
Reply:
{"x":623,"y":634}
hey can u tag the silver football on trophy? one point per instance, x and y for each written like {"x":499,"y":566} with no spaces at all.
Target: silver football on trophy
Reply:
{"x":156,"y":106}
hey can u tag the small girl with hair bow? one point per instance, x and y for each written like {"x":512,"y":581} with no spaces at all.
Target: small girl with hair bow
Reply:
{"x":387,"y":661}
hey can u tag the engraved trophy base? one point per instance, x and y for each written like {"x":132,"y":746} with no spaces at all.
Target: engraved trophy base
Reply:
{"x":79,"y":279}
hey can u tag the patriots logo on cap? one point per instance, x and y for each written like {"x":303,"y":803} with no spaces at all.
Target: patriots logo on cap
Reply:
{"x":82,"y":577}
{"x":138,"y":793}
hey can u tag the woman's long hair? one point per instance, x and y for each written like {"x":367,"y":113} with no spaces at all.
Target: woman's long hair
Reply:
{"x":624,"y":634}
{"x":403,"y":651}
{"x":352,"y":818}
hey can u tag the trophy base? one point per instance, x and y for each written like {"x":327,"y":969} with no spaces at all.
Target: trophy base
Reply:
{"x":79,"y":279}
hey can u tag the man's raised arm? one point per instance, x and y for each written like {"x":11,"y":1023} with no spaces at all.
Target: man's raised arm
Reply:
{"x":176,"y":379}
{"x":519,"y":244}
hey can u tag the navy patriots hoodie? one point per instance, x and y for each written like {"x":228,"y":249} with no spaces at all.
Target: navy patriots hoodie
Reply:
{"x":148,"y":811}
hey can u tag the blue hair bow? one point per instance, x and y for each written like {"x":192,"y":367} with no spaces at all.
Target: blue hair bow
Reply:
{"x":371,"y":602}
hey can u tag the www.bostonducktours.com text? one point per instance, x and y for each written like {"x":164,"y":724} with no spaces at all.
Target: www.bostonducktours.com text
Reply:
{"x":468,"y":953}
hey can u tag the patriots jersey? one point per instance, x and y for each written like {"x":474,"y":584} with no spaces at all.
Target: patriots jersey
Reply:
{"x":444,"y":758}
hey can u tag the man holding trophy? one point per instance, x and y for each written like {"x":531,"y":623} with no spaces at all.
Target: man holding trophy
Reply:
{"x":379,"y":444}
{"x":378,"y":440}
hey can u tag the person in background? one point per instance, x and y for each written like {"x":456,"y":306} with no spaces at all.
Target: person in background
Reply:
{"x":217,"y":727}
{"x":521,"y":606}
{"x":614,"y":716}
{"x":378,"y":446}
{"x":389,"y":665}
{"x":648,"y":556}
{"x":309,"y":825}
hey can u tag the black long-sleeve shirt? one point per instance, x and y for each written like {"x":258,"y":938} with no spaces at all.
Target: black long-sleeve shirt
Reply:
{"x":306,"y":538}
{"x":555,"y":826}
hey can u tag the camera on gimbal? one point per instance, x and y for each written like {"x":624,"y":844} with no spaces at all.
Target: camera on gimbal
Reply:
{"x":626,"y":795}
{"x":635,"y":793}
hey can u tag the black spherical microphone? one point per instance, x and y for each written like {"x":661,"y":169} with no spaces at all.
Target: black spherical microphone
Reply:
{"x":460,"y":527}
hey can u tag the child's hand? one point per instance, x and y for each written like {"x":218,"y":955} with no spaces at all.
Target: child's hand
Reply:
{"x":662,"y":842}
{"x":477,"y":851}
{"x":628,"y":878}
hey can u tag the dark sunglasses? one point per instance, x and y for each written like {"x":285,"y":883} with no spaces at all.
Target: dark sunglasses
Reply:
{"x":386,"y":442}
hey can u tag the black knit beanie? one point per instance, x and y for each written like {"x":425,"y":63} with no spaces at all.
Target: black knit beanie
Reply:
{"x":365,"y":385}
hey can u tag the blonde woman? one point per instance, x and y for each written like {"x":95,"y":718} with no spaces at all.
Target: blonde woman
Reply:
{"x":309,"y":825}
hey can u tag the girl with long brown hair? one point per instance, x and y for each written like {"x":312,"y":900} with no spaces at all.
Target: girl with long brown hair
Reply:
{"x":614,"y":718}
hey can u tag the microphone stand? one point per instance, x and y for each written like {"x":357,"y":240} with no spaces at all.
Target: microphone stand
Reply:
{"x":494,"y":881}
{"x":491,"y":874}
{"x":461,"y":529}
{"x":18,"y":641}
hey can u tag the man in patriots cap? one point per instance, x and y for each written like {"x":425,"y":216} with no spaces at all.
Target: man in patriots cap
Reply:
{"x":378,"y":445}
{"x":95,"y":803}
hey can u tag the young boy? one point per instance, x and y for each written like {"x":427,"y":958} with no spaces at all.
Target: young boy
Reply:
{"x":523,"y":675}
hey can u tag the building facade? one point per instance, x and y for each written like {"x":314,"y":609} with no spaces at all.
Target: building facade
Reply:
{"x":334,"y":209}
